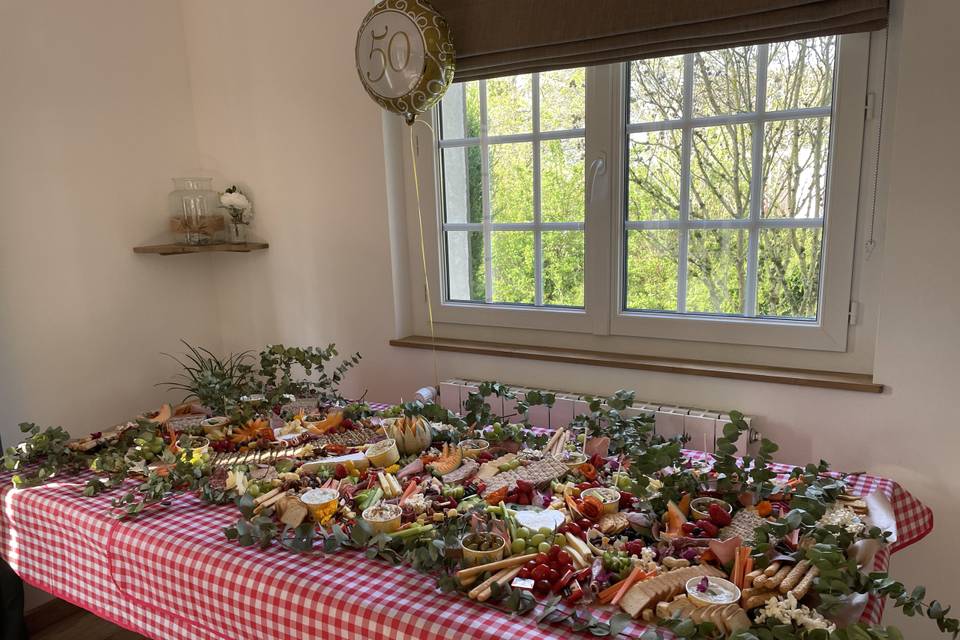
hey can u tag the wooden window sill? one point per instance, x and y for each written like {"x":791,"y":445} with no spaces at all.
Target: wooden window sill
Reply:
{"x":753,"y":373}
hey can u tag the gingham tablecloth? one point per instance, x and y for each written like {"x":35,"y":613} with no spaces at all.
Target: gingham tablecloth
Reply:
{"x":172,"y":575}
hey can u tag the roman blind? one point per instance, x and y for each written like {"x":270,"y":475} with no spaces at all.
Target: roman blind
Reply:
{"x":505,"y":37}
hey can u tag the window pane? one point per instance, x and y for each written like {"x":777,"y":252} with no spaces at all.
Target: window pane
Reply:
{"x":511,"y":182}
{"x":563,"y":268}
{"x":562,"y":98}
{"x":800,"y":73}
{"x":652,"y":259}
{"x":795,"y":167}
{"x":462,"y":189}
{"x":725,"y":81}
{"x":513,"y":277}
{"x":656,"y":89}
{"x":653,"y":187}
{"x":788,"y":272}
{"x":716,"y":270}
{"x":460,"y":111}
{"x":720,"y":172}
{"x":509,"y":105}
{"x":465,"y":274}
{"x":561,"y":180}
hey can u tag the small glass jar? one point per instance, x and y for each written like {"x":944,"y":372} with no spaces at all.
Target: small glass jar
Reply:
{"x":193,"y":208}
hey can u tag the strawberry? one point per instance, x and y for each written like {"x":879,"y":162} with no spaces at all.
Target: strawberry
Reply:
{"x":709,"y":529}
{"x":340,"y":472}
{"x":718,"y":515}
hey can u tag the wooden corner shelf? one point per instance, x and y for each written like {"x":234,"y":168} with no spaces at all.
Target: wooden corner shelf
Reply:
{"x":178,"y":249}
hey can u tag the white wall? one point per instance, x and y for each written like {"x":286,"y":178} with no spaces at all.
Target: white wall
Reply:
{"x":95,"y":118}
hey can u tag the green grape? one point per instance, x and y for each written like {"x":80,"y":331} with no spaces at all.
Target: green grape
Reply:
{"x":518,"y":546}
{"x":546,"y":531}
{"x":543,"y":547}
{"x":524,"y":532}
{"x":560,"y":541}
{"x":537,"y":538}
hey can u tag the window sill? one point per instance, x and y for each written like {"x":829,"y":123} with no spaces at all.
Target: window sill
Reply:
{"x":780,"y":375}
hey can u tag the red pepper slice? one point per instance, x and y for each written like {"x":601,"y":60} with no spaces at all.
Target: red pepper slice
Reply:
{"x":562,"y":581}
{"x":576,"y":592}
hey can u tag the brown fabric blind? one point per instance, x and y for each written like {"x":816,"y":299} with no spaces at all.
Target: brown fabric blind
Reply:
{"x":505,"y":37}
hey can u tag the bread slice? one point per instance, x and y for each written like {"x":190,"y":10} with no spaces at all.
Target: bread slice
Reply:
{"x":736,"y":619}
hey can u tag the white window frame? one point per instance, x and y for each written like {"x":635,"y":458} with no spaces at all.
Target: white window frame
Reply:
{"x":604,"y":228}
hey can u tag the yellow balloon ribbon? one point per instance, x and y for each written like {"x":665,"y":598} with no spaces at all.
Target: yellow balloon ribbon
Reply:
{"x":423,"y":253}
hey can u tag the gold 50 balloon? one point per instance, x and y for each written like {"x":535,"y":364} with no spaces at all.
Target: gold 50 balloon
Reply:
{"x":405,"y":56}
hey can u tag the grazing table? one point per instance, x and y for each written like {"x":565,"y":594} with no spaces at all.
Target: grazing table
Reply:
{"x":172,"y":575}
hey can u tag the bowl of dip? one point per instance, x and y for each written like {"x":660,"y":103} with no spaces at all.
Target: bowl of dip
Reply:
{"x":714,"y":591}
{"x":383,"y":453}
{"x":383,"y":518}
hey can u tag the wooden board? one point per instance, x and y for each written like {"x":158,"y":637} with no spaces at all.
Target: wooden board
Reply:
{"x":178,"y":249}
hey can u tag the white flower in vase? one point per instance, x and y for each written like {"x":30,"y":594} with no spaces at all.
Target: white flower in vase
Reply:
{"x":240,"y":209}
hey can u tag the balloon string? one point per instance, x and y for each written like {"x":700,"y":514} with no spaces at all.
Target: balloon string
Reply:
{"x":423,"y":253}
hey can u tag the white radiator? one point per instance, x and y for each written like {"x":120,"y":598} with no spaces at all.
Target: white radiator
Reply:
{"x":702,"y":426}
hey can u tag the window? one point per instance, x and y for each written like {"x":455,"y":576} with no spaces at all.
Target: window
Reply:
{"x":512,"y":156}
{"x":726,"y":167}
{"x":710,"y":196}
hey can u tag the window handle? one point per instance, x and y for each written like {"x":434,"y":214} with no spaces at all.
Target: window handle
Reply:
{"x":597,"y":168}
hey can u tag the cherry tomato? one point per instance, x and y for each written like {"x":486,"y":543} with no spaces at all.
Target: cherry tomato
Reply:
{"x":530,"y":565}
{"x":541,"y":558}
{"x":542,"y":587}
{"x":564,"y":558}
{"x":524,"y":573}
{"x":553,"y":576}
{"x":554,"y":550}
{"x":575,"y":529}
{"x":584,"y":524}
{"x":542,"y":572}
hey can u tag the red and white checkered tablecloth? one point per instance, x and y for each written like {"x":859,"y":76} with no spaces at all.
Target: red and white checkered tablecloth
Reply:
{"x":172,"y":575}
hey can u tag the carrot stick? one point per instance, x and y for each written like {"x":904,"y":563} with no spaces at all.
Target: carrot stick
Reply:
{"x":631,"y":579}
{"x":411,"y":487}
{"x":747,"y":568}
{"x":735,"y":571}
{"x":607,"y":594}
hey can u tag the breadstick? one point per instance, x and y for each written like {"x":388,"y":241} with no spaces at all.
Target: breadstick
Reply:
{"x":509,"y":563}
{"x":774,"y":582}
{"x":804,"y":586}
{"x":756,"y":601}
{"x":746,"y":594}
{"x":771,"y":569}
{"x":794,"y":576}
{"x":760,"y":581}
{"x":486,"y":583}
{"x":750,"y":577}
{"x":263,"y":498}
{"x":484,"y":595}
